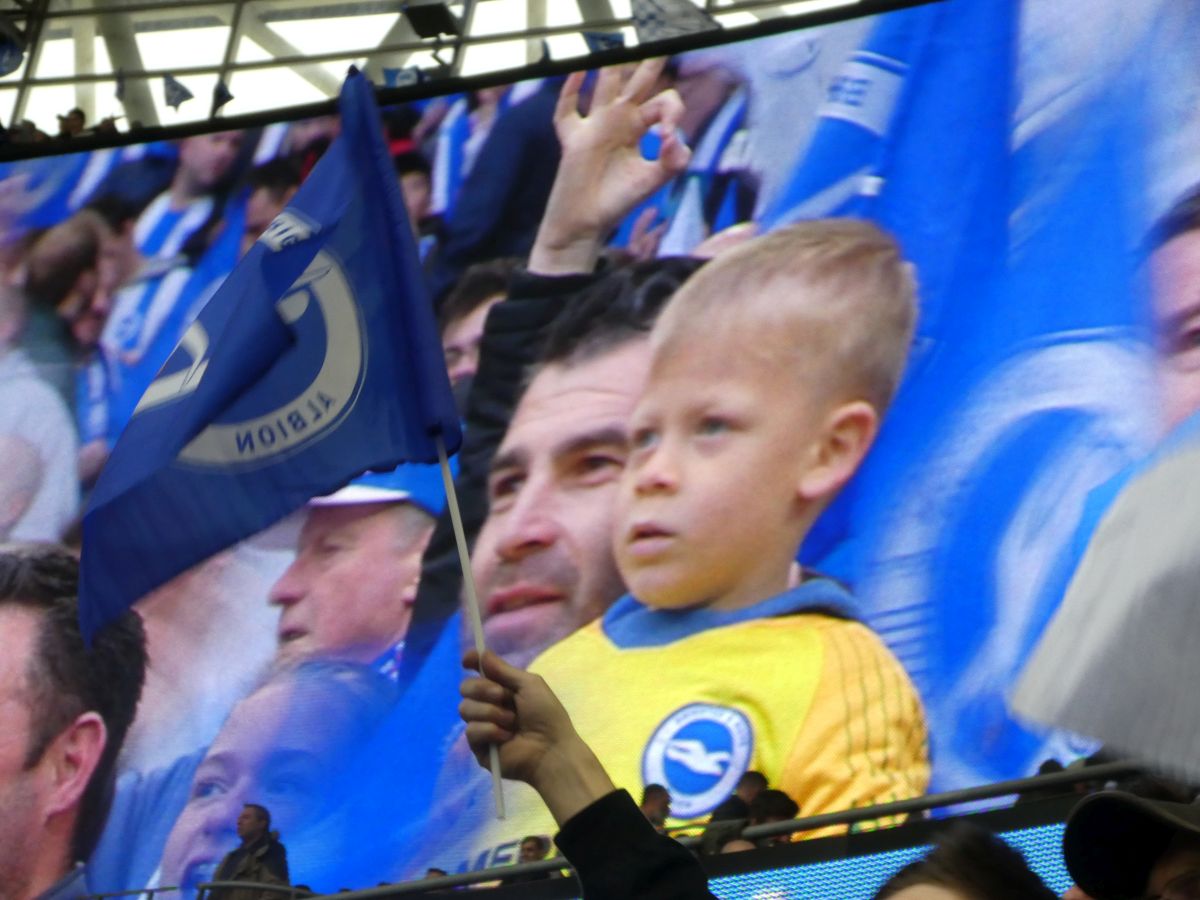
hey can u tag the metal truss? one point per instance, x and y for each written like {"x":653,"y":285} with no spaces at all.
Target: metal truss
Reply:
{"x":544,"y":29}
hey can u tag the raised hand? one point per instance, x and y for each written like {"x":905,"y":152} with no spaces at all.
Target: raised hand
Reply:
{"x":602,"y":175}
{"x":537,"y":743}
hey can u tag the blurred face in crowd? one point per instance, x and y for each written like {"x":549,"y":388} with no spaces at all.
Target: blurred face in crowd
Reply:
{"x":543,"y":560}
{"x":461,"y":339}
{"x":1175,"y":273}
{"x":418,"y":194}
{"x":204,"y":160}
{"x":350,"y":590}
{"x":261,"y":209}
{"x":929,"y":892}
{"x":72,"y":123}
{"x":251,"y":824}
{"x":310,"y":132}
{"x":1176,"y":874}
{"x":531,"y":851}
{"x":657,"y":807}
{"x":279,"y":748}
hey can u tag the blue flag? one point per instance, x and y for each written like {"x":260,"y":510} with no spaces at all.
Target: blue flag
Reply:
{"x":175,"y":91}
{"x":317,"y":360}
{"x":221,"y":95}
{"x":1022,"y":390}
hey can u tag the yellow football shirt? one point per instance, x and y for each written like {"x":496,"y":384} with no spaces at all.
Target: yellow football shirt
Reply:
{"x":693,"y":699}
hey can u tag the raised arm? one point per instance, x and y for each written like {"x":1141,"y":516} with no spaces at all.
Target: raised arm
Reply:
{"x":602,"y":175}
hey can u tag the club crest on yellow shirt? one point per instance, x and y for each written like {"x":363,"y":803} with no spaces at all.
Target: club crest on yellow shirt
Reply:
{"x":698,"y":753}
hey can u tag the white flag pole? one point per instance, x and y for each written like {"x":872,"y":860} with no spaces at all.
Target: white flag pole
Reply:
{"x":464,"y":560}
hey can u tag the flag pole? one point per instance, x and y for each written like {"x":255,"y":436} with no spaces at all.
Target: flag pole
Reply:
{"x":464,"y":560}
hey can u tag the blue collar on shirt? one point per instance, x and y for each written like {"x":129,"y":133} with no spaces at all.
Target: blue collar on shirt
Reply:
{"x":629,"y":624}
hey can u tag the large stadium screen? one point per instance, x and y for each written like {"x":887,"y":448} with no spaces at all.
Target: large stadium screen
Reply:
{"x":853,"y":538}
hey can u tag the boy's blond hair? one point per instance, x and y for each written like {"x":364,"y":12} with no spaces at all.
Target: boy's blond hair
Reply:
{"x":834,"y":295}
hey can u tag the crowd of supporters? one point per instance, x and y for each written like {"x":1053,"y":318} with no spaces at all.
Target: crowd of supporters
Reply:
{"x":105,"y":271}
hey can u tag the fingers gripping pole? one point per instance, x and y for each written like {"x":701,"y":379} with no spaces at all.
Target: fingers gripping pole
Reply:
{"x":476,"y":620}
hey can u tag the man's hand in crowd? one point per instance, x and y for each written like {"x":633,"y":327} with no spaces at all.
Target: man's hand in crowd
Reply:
{"x":537,"y":743}
{"x":602,"y":175}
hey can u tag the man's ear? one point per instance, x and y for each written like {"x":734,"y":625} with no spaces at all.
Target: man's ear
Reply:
{"x":838,"y":450}
{"x":71,"y":758}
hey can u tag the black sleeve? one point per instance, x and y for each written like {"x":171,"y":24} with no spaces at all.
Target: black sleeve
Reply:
{"x":512,"y":342}
{"x":617,"y":854}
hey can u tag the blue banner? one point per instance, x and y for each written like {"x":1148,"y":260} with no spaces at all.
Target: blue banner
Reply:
{"x":318,"y":359}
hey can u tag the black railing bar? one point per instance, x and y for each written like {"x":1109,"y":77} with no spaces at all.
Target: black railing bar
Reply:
{"x":996,"y":789}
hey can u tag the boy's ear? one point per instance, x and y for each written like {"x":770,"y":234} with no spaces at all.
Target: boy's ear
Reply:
{"x":838,"y":450}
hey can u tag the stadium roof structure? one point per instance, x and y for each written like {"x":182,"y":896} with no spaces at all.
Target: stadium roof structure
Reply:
{"x":128,"y":59}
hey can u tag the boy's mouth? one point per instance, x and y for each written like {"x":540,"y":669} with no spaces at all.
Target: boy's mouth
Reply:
{"x":648,"y":538}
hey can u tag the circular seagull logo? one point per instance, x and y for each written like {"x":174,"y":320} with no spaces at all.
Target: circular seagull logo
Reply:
{"x":698,"y":753}
{"x":320,"y":307}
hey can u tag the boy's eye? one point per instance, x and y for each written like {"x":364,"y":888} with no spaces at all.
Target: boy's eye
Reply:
{"x":206,"y":787}
{"x":643,"y":438}
{"x":712,"y":425}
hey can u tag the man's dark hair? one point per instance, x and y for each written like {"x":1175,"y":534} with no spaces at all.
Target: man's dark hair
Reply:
{"x":409,"y":162}
{"x":278,"y":176}
{"x":1181,"y":218}
{"x":772,"y":804}
{"x":752,"y":779}
{"x":263,"y":813}
{"x":620,"y":306}
{"x":478,"y":284}
{"x":541,"y":840}
{"x":654,"y":792}
{"x":66,"y":678}
{"x":971,"y":861}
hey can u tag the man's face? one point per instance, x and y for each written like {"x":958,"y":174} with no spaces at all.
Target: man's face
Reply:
{"x":1176,"y":874}
{"x":1175,"y":273}
{"x":278,"y":747}
{"x":531,"y":851}
{"x":350,"y":590}
{"x":543,"y":560}
{"x":21,"y":822}
{"x":418,"y":194}
{"x":250,"y":824}
{"x":461,"y":339}
{"x":206,"y":159}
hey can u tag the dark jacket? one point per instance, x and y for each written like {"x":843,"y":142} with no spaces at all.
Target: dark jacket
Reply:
{"x":263,"y":862}
{"x":618,"y":855}
{"x":503,"y":198}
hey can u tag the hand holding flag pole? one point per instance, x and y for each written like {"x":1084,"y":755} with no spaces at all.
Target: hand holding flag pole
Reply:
{"x":472,"y":602}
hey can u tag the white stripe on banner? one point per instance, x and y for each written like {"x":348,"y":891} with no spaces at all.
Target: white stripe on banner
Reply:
{"x":863,"y":94}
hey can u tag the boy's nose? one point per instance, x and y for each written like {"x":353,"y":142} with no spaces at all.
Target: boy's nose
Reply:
{"x":657,"y":474}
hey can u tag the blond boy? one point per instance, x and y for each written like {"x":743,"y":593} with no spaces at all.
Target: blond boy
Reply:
{"x":771,"y":370}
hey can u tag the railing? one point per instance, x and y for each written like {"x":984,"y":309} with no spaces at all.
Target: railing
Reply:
{"x":996,"y":790}
{"x":290,"y":891}
{"x":882,"y":811}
